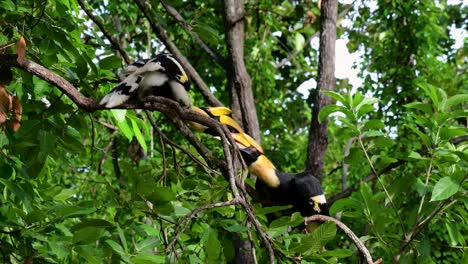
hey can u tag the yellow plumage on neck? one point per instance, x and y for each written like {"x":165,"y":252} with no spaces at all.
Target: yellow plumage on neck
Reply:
{"x":265,"y":171}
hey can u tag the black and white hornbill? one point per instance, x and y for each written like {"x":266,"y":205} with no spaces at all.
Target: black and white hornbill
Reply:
{"x":301,"y":190}
{"x":162,"y":75}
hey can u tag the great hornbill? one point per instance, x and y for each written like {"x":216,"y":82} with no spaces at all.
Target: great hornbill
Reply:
{"x":162,"y":75}
{"x":301,"y":190}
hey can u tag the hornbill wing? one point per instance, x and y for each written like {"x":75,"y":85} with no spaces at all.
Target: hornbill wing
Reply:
{"x":124,"y":91}
{"x":148,"y":77}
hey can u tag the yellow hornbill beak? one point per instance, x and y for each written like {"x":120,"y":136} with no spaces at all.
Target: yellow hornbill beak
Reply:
{"x":319,"y":204}
{"x":183,"y":78}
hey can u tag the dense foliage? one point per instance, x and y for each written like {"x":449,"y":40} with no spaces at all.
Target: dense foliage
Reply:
{"x":75,"y":190}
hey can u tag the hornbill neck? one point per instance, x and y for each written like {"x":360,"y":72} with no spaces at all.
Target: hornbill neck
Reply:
{"x":263,"y":169}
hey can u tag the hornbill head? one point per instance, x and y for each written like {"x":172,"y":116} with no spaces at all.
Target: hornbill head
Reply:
{"x":301,"y":190}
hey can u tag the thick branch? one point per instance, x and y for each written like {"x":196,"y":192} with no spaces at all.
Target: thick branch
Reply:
{"x":161,"y":33}
{"x":242,"y":99}
{"x":318,"y":134}
{"x":65,"y":86}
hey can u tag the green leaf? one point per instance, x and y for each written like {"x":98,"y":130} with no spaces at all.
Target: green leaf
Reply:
{"x":160,"y":195}
{"x":139,"y":136}
{"x":111,"y":62}
{"x":87,"y":235}
{"x":64,"y":194}
{"x":425,"y":139}
{"x":119,"y":114}
{"x":337,"y":253}
{"x":271,"y":209}
{"x":116,"y":247}
{"x":422,"y":188}
{"x":453,"y":232}
{"x":122,"y":123}
{"x":426,"y":108}
{"x":325,"y":232}
{"x":307,"y":243}
{"x":211,"y":245}
{"x":293,"y":220}
{"x":329,"y":109}
{"x":73,"y":210}
{"x":92,"y":223}
{"x":122,"y":238}
{"x":337,"y":96}
{"x":456,"y":100}
{"x":144,"y":258}
{"x":364,"y":110}
{"x":444,"y":189}
{"x":7,"y":5}
{"x":299,"y":41}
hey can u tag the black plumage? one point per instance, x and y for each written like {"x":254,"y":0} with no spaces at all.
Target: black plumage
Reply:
{"x":162,"y":75}
{"x":301,"y":190}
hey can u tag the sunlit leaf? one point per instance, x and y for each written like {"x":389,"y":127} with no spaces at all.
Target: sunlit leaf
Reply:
{"x":444,"y":188}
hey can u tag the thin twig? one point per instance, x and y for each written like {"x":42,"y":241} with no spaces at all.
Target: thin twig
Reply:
{"x":161,"y":34}
{"x":105,"y":152}
{"x":183,"y":222}
{"x":161,"y":140}
{"x":178,"y":17}
{"x":115,"y":44}
{"x":293,"y":54}
{"x":359,"y":138}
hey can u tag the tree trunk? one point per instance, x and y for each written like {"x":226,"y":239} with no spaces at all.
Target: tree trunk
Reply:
{"x":242,"y":100}
{"x":318,"y":133}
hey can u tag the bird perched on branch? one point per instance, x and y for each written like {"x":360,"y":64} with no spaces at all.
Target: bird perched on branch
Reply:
{"x":162,"y":75}
{"x":301,"y":190}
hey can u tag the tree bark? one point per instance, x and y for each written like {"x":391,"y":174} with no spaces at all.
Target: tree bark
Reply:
{"x":318,"y":133}
{"x":242,"y":100}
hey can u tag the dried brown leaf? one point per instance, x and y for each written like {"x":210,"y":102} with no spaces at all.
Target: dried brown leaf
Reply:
{"x":14,"y":125}
{"x":17,"y":108}
{"x":21,"y":50}
{"x":5,"y":104}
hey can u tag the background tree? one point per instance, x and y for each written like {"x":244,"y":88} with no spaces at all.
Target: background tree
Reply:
{"x":75,"y":189}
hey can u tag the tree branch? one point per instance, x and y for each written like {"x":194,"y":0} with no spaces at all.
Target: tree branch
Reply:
{"x":183,"y":222}
{"x":178,"y":115}
{"x":112,"y":40}
{"x":242,"y":99}
{"x":362,"y":248}
{"x":318,"y":133}
{"x":293,"y":54}
{"x":178,"y":17}
{"x":161,"y":34}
